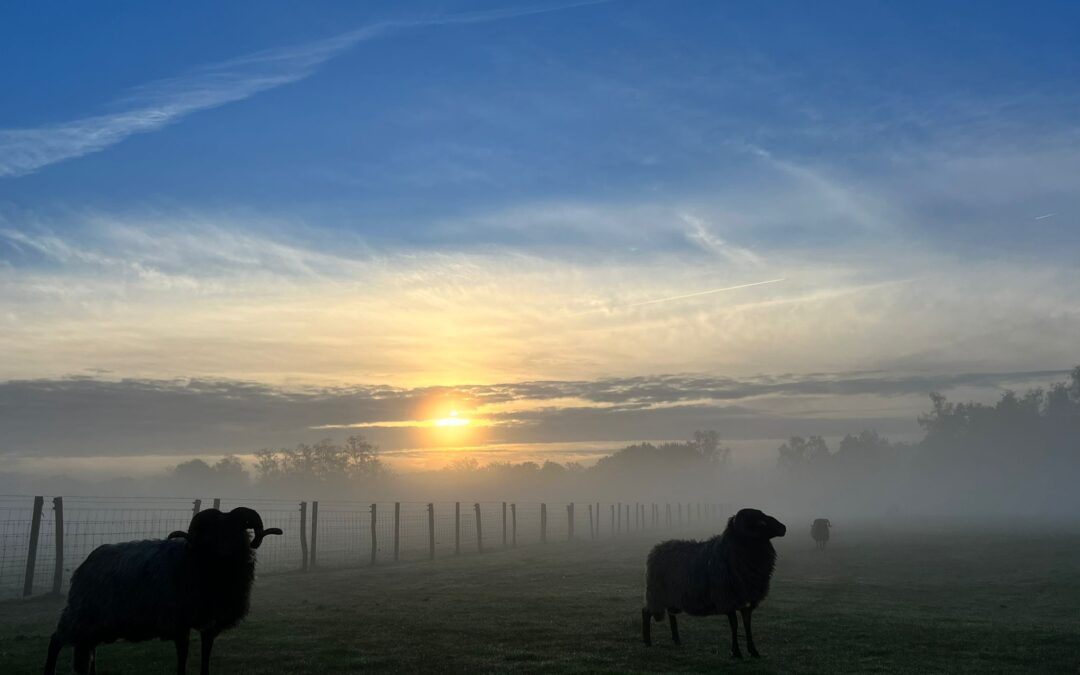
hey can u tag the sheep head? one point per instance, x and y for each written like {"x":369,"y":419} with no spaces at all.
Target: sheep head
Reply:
{"x":224,"y":532}
{"x":249,"y":519}
{"x":755,"y":524}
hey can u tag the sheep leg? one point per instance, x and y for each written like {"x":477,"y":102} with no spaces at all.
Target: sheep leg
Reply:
{"x":646,"y":629}
{"x":674,"y":628}
{"x":55,"y":645}
{"x":733,"y":621}
{"x":746,"y":612}
{"x":181,"y":653}
{"x":82,"y":658}
{"x":93,"y":661}
{"x":207,"y":638}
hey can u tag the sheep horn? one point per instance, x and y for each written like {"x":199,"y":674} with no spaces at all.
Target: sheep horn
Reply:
{"x":250,"y":518}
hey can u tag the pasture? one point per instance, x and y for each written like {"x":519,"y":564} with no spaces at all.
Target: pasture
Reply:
{"x":918,"y":598}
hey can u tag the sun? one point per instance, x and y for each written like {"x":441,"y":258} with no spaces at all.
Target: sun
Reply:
{"x":454,"y":420}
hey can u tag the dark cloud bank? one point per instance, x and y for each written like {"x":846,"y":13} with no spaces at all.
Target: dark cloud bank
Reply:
{"x":86,"y":417}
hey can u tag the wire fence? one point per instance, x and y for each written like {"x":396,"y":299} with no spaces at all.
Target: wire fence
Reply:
{"x":43,"y":540}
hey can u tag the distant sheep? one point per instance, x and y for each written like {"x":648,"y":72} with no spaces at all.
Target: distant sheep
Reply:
{"x":820,"y":532}
{"x":162,"y":588}
{"x":727,"y":573}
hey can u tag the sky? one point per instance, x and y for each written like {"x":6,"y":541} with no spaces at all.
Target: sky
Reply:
{"x":226,"y":226}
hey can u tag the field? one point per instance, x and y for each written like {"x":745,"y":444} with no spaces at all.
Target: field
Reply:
{"x":913,"y":599}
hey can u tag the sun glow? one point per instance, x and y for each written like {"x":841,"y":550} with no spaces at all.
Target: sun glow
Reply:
{"x":454,"y":420}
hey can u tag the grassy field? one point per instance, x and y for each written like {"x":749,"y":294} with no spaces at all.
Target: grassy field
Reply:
{"x":901,"y":601}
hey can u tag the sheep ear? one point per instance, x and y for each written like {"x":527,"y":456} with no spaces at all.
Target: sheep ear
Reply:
{"x":178,"y":534}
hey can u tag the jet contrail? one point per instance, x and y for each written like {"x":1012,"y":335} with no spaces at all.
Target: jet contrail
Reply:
{"x":1045,"y":215}
{"x":708,"y":292}
{"x":157,"y":104}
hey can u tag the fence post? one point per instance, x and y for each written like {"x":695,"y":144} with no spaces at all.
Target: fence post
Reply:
{"x":196,"y":506}
{"x":613,"y":520}
{"x":592,"y":526}
{"x":513,"y":525}
{"x":668,"y":514}
{"x":637,"y":517}
{"x":597,"y":520}
{"x":457,"y":528}
{"x":570,"y":520}
{"x":374,"y":533}
{"x":314,"y":533}
{"x":543,"y":523}
{"x":217,"y":503}
{"x":58,"y":567}
{"x":31,"y":557}
{"x":679,"y":506}
{"x":303,"y":536}
{"x":504,"y":523}
{"x":479,"y":531}
{"x":618,"y":527}
{"x":397,"y":530}
{"x":628,"y":518}
{"x":431,"y":530}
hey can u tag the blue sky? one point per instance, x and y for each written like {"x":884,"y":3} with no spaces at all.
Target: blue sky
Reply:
{"x":440,"y":193}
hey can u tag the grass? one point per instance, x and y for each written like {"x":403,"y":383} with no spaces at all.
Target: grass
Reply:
{"x":900,"y":601}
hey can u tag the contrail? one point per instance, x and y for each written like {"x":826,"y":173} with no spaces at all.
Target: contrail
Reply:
{"x":1045,"y":215}
{"x":708,"y":292}
{"x":160,"y":103}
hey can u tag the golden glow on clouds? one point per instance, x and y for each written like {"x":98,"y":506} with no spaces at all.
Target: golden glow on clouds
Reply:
{"x":453,"y":421}
{"x":263,"y":311}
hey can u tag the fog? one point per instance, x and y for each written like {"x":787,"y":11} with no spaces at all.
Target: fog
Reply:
{"x":1013,"y":456}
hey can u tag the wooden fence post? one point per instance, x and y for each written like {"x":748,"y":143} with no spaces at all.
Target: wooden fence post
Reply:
{"x":479,"y":531}
{"x":504,"y":523}
{"x":513,"y":525}
{"x":543,"y":523}
{"x":303,"y":537}
{"x":613,"y":520}
{"x":592,"y":526}
{"x":457,"y":528}
{"x":397,"y":530}
{"x":196,"y":506}
{"x":618,"y":525}
{"x":314,"y":533}
{"x":217,"y":503}
{"x":374,"y":533}
{"x":628,"y":518}
{"x":58,"y":563}
{"x":431,"y":530}
{"x":31,"y":556}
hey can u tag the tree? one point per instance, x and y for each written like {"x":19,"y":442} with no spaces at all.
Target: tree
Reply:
{"x":323,"y":462}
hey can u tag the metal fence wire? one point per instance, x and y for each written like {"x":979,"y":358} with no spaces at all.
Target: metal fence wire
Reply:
{"x":44,"y":539}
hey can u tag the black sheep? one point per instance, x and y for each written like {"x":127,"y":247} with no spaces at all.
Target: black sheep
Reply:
{"x":162,"y":588}
{"x":727,"y":573}
{"x":820,"y":532}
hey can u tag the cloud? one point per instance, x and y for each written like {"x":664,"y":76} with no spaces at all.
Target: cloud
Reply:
{"x":158,"y":104}
{"x":89,"y":416}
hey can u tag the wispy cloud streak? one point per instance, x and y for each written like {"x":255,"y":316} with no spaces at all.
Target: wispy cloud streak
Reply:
{"x":708,"y":292}
{"x":158,"y":104}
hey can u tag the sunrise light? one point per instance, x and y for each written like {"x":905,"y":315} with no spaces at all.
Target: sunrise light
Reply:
{"x":454,"y":420}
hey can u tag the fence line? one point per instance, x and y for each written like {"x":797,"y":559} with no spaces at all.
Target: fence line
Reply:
{"x":40,"y":547}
